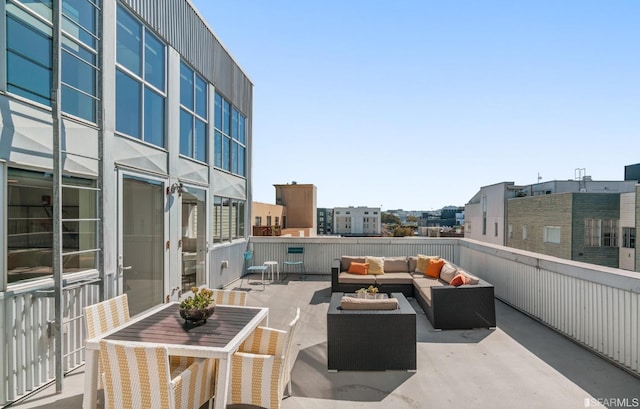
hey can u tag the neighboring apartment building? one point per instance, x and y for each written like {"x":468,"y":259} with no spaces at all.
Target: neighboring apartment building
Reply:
{"x":267,"y":219}
{"x":446,"y":217}
{"x":325,"y":221}
{"x":300,"y":201}
{"x":574,"y":226}
{"x":357,"y":221}
{"x":582,"y":220}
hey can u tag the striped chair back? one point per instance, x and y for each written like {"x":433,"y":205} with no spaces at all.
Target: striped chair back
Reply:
{"x":260,"y":370}
{"x":139,"y":377}
{"x":106,"y":315}
{"x":230,"y":297}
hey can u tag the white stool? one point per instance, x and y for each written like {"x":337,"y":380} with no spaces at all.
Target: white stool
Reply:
{"x":271,"y":264}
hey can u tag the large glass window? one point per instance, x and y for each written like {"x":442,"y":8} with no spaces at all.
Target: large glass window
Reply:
{"x":601,"y":233}
{"x":229,"y":138}
{"x":30,"y":224}
{"x":228,"y":219}
{"x":193,"y":114}
{"x":29,"y":54}
{"x":140,"y":81}
{"x":629,"y":237}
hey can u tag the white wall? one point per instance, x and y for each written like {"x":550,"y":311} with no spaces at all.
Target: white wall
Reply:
{"x":496,"y":213}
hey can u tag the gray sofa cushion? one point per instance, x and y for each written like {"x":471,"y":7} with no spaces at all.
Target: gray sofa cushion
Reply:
{"x":346,"y":260}
{"x":396,"y":265}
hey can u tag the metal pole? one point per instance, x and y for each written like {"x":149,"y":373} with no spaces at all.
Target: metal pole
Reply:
{"x":57,"y":191}
{"x":101,"y":170}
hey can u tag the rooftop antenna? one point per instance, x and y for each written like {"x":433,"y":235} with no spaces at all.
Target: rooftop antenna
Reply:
{"x":539,"y":177}
{"x":580,"y":176}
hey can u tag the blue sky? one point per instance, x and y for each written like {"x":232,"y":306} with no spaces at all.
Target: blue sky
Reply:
{"x":417,"y":104}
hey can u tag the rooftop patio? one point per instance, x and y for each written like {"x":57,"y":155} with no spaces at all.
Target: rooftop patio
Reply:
{"x":521,"y":363}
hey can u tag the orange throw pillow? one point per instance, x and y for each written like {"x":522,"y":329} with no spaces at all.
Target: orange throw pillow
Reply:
{"x":459,"y":280}
{"x":434,"y":267}
{"x":358,"y":268}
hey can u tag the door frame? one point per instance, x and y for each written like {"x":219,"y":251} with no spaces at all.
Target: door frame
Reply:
{"x":207,"y":233}
{"x":164,"y":181}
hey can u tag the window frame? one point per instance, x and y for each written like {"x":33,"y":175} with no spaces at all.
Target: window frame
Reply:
{"x":145,"y":84}
{"x":194,"y":116}
{"x":233,"y":227}
{"x":38,"y":20}
{"x":628,"y":237}
{"x":230,"y":137}
{"x":22,"y":222}
{"x":552,"y":234}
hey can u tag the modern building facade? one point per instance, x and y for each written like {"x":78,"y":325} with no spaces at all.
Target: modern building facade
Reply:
{"x":125,"y":160}
{"x":357,"y":221}
{"x":300,"y":199}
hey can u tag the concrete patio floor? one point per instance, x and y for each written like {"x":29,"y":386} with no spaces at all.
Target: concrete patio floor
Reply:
{"x":519,"y":364}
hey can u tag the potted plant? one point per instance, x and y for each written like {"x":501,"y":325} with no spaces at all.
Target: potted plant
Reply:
{"x":199,"y":306}
{"x":367,"y":292}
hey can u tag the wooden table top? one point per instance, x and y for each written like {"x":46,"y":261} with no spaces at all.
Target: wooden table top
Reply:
{"x":166,"y":326}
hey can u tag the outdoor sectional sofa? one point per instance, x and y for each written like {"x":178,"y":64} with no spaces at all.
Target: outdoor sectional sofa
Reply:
{"x":447,"y":306}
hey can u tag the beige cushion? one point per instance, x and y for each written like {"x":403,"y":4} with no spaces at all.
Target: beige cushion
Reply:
{"x":413,"y":263}
{"x":447,"y":272}
{"x":352,"y":303}
{"x":425,"y":293}
{"x":348,"y":278}
{"x":424,"y":281}
{"x":345,"y":261}
{"x":423,"y":263}
{"x":396,"y":265}
{"x":394,"y":278}
{"x":376,"y":265}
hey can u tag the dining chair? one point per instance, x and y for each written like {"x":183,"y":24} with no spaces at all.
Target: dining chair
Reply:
{"x":295,"y":257}
{"x":261,"y":369}
{"x":106,"y":315}
{"x":230,"y":297}
{"x":248,"y":258}
{"x":139,"y":377}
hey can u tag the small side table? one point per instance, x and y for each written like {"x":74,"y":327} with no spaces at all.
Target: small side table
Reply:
{"x":271,"y":264}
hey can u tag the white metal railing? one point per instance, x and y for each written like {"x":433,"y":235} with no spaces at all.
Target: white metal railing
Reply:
{"x":27,"y":320}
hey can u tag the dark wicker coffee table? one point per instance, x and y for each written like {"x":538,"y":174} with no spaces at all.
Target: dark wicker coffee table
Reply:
{"x":371,"y":340}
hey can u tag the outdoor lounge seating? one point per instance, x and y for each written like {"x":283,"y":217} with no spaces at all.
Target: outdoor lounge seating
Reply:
{"x":451,"y":297}
{"x":261,"y":369}
{"x":140,"y":377}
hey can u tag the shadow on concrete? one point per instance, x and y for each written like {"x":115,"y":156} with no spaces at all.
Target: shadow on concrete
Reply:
{"x":321,"y":297}
{"x":310,"y":378}
{"x":594,"y":374}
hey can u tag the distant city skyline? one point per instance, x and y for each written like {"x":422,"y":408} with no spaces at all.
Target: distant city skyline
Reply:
{"x":418,"y":104}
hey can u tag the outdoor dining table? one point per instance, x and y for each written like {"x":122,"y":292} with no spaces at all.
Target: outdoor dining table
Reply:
{"x":218,"y":338}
